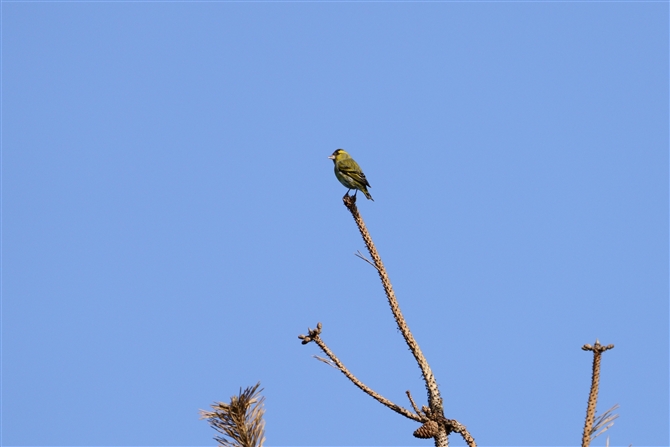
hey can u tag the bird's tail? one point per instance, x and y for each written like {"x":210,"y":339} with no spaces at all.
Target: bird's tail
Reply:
{"x":367,"y":194}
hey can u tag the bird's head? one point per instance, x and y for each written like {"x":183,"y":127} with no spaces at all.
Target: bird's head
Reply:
{"x":338,"y":155}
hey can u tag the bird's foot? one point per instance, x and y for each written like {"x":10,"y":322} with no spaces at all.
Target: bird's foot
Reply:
{"x":348,"y":200}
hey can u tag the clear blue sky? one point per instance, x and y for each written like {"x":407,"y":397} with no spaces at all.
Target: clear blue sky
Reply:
{"x":171,"y":224}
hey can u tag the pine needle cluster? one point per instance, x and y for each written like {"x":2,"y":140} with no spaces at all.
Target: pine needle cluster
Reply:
{"x":240,"y":422}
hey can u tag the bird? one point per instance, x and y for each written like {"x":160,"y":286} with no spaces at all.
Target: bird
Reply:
{"x":349,"y":173}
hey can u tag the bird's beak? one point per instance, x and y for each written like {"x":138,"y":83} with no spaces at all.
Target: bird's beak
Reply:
{"x":332,"y":157}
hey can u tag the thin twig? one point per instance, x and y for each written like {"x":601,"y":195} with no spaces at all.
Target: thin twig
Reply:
{"x":416,"y":409}
{"x":360,"y":255}
{"x":326,"y":361}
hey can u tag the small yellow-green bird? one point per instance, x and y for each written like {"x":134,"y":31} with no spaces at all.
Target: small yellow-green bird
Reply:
{"x":349,"y":173}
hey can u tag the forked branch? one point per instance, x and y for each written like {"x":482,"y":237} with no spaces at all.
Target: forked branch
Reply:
{"x":435,"y":425}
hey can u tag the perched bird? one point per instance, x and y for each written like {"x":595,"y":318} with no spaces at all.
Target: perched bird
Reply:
{"x":349,"y":173}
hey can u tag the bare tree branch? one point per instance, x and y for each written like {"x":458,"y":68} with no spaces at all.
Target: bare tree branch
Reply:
{"x":435,"y":425}
{"x":411,"y":401}
{"x":597,"y":349}
{"x":314,"y":335}
{"x":434,"y":398}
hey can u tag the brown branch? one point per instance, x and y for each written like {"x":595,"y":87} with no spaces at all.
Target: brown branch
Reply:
{"x":431,"y":428}
{"x":411,"y":401}
{"x":454,"y":426}
{"x":314,"y":335}
{"x":435,"y":425}
{"x":434,"y":399}
{"x":597,"y":349}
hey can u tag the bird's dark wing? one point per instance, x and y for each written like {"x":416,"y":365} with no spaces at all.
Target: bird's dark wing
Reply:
{"x":364,"y":180}
{"x":350,"y":167}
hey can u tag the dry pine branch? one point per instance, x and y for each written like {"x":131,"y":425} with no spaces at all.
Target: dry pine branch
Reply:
{"x":240,"y":422}
{"x":435,"y":425}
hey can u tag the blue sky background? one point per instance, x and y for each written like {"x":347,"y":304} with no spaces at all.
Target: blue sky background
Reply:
{"x":171,"y":222}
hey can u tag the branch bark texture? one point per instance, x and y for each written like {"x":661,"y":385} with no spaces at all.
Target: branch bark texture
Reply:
{"x":435,"y":425}
{"x":434,"y":398}
{"x":597,"y":349}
